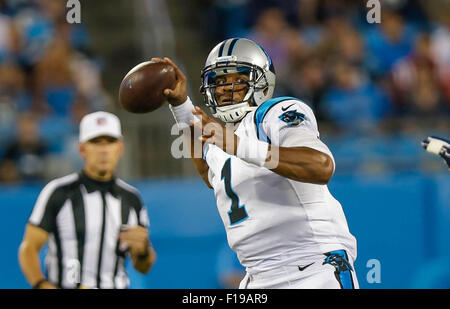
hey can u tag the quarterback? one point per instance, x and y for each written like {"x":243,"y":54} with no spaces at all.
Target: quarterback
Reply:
{"x":269,"y":171}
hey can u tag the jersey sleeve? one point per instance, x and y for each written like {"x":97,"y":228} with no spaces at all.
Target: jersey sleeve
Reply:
{"x":289,"y":123}
{"x":46,"y":208}
{"x":135,"y":210}
{"x":143,"y":217}
{"x":141,"y":210}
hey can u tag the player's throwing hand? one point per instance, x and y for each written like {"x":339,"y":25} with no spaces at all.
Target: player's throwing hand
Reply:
{"x":178,"y":95}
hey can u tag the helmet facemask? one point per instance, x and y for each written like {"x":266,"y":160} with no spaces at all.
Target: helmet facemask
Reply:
{"x":234,"y":111}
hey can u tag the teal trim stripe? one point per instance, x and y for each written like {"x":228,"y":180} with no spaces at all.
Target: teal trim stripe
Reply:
{"x":262,"y":111}
{"x":346,"y":276}
{"x":346,"y":280}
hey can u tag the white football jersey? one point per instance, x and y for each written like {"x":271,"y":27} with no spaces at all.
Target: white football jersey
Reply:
{"x":271,"y":220}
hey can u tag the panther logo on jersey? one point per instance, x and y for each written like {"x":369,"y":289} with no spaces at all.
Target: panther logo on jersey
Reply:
{"x":292,"y":118}
{"x":338,"y":260}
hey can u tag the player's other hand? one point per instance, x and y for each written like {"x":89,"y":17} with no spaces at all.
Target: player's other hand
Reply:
{"x":136,"y":238}
{"x":178,"y":95}
{"x":213,"y":132}
{"x":438,"y":146}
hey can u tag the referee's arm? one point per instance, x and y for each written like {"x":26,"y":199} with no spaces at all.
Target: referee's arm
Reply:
{"x":34,"y":238}
{"x":143,"y":263}
{"x":142,"y":253}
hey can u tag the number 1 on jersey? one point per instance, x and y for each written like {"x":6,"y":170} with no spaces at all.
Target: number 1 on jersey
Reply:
{"x":237,"y":213}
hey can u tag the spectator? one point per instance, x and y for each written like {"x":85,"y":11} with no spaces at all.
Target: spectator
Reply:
{"x":310,"y":27}
{"x":295,"y":51}
{"x":25,"y":155}
{"x":13,"y":99}
{"x":233,"y":14}
{"x":282,"y":41}
{"x":65,"y":81}
{"x":307,"y":81}
{"x":350,"y":47}
{"x":388,"y":42}
{"x":440,"y":47}
{"x":35,"y":31}
{"x":416,"y":84}
{"x":13,"y":90}
{"x":353,"y":102}
{"x":266,"y":32}
{"x":294,"y":45}
{"x":55,"y":91}
{"x":75,"y":34}
{"x":9,"y":37}
{"x":45,"y":70}
{"x":63,"y":76}
{"x":341,"y":40}
{"x":87,"y":78}
{"x":289,"y":9}
{"x":39,"y":23}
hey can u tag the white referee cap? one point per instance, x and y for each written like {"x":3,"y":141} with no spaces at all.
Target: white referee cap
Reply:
{"x":99,"y":124}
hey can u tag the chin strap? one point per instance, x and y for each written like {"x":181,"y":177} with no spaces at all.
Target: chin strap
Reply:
{"x":233,"y":113}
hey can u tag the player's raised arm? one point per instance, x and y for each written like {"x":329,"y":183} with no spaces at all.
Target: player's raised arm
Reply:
{"x":182,"y":107}
{"x":300,"y":157}
{"x":301,"y":164}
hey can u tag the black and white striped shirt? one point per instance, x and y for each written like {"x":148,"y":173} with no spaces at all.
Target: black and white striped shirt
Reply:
{"x":83,"y":218}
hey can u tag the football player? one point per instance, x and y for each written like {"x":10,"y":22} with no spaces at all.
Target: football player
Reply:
{"x":269,"y":171}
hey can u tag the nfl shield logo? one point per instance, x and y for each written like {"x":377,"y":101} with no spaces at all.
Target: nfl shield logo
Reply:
{"x":101,"y":121}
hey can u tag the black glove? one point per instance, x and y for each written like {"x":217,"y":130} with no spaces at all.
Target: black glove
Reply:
{"x":439,"y":146}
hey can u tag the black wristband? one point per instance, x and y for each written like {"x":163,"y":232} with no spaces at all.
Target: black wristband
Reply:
{"x":39,"y":283}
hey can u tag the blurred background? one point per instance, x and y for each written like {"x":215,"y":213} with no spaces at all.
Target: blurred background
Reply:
{"x":377,"y":91}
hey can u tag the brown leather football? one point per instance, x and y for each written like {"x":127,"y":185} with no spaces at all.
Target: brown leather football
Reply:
{"x":141,"y":90}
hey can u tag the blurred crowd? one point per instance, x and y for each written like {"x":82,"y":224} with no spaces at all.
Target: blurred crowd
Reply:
{"x":49,"y":79}
{"x":358,"y":77}
{"x":361,"y":79}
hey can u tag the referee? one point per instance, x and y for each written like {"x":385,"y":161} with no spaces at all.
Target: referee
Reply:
{"x":91,"y":219}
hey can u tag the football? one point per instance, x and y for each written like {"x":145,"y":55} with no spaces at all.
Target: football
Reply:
{"x":141,"y":90}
